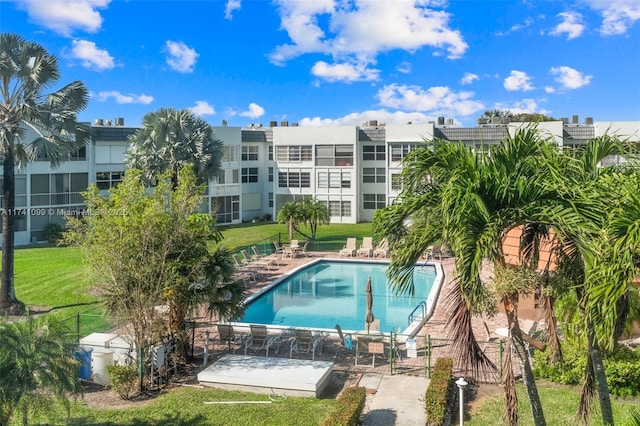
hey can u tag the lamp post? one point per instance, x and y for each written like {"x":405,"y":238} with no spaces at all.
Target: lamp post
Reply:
{"x":462,"y":383}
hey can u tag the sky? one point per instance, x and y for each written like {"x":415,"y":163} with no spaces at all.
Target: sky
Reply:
{"x":341,"y":62}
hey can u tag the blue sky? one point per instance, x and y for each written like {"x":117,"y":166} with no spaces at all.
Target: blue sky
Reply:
{"x":342,"y":62}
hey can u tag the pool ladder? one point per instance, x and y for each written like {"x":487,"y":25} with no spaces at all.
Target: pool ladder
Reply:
{"x":422,"y":305}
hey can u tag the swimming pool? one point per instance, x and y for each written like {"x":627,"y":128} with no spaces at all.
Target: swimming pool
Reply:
{"x":329,"y":292}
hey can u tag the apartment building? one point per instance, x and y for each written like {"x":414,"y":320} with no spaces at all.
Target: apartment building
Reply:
{"x":353,"y":169}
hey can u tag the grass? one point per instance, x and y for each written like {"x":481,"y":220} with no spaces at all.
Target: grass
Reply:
{"x":186,"y":406}
{"x":559,"y":402}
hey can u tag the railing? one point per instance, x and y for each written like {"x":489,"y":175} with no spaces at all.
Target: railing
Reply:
{"x":422,"y":305}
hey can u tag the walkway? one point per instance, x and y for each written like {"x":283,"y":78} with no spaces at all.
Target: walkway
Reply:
{"x":398,"y":400}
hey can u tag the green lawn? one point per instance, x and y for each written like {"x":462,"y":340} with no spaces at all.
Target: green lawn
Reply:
{"x":186,"y":406}
{"x":558,"y":401}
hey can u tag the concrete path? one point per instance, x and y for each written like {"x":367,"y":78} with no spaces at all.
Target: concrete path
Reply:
{"x":399,"y":400}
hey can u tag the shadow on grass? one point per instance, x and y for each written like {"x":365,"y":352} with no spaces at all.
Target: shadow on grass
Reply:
{"x":168,"y":419}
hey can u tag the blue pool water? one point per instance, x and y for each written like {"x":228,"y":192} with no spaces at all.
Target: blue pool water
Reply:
{"x":332,"y":292}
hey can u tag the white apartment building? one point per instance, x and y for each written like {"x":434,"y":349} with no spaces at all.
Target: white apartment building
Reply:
{"x":353,"y":169}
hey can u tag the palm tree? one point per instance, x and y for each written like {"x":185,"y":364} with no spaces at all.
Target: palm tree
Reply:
{"x":49,"y":120}
{"x":170,"y":139}
{"x":470,"y":203}
{"x":36,"y":363}
{"x":290,"y":214}
{"x":314,"y":213}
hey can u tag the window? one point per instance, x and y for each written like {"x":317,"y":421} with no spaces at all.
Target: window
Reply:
{"x":271,"y":199}
{"x":249,"y":174}
{"x":294,"y":179}
{"x":79,"y":155}
{"x":235,"y":176}
{"x":60,"y":188}
{"x":229,"y":153}
{"x":250,"y":153}
{"x":334,"y":155}
{"x":106,"y":180}
{"x":396,"y":183}
{"x":270,"y":152}
{"x":226,"y":209}
{"x":374,"y":152}
{"x":334,"y":179}
{"x":339,"y":208}
{"x":293,"y":153}
{"x":221,"y":177}
{"x":399,"y":151}
{"x":270,"y":174}
{"x":373,"y":175}
{"x":373,"y":201}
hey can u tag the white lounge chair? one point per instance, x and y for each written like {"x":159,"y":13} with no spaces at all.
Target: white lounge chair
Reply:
{"x":350,"y":248}
{"x":366,"y":247}
{"x":382,"y":249}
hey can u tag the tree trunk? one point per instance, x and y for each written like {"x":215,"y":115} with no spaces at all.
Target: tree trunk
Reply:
{"x":290,"y":228}
{"x":8,"y":301}
{"x":600,"y":377}
{"x":511,"y":309}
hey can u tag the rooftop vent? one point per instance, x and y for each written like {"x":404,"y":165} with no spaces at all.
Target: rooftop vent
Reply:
{"x":482,"y":120}
{"x":588,"y":121}
{"x":373,"y":123}
{"x":273,"y":123}
{"x":294,"y":124}
{"x":565,"y":120}
{"x":450,"y":121}
{"x":575,"y":119}
{"x":440,"y":121}
{"x":107,"y":123}
{"x":98,"y":122}
{"x":284,"y":124}
{"x":119,"y":121}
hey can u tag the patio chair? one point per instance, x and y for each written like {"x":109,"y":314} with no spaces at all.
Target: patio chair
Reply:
{"x":350,"y":248}
{"x":366,"y":247}
{"x":226,"y":334}
{"x":259,"y":339}
{"x":303,"y":251}
{"x":262,"y":259}
{"x":382,"y":249}
{"x":305,"y":341}
{"x":346,"y":341}
{"x":278,"y":248}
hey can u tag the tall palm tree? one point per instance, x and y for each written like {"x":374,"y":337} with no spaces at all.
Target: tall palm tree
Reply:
{"x":36,"y":363}
{"x":470,"y":203}
{"x":170,"y":139}
{"x":290,"y":214}
{"x":47,"y":120}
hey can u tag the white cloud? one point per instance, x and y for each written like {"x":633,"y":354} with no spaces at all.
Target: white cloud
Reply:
{"x":344,"y":72}
{"x":438,"y":100}
{"x":518,"y":80}
{"x":469,"y":78}
{"x":123,"y":99}
{"x":525,"y":106}
{"x":617,"y":15}
{"x":517,"y":27}
{"x":254,"y":111}
{"x":357,"y":118}
{"x":404,"y":67}
{"x":64,"y":17}
{"x":181,"y":58}
{"x":230,"y":7}
{"x":549,"y":89}
{"x":571,"y":24}
{"x":91,"y":56}
{"x":570,"y":78}
{"x":357,"y":32}
{"x":202,"y":108}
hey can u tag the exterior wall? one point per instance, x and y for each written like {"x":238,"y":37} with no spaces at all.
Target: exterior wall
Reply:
{"x":353,"y":187}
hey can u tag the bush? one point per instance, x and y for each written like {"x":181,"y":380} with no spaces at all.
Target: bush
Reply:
{"x":53,"y":233}
{"x":123,"y":379}
{"x":436,"y":397}
{"x":348,"y":408}
{"x":622,"y":368}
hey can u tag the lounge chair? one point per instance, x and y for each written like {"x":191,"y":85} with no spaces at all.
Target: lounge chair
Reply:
{"x":226,"y":334}
{"x":366,"y":247}
{"x":259,"y":339}
{"x":262,"y":259}
{"x":278,"y":248}
{"x":382,"y":249}
{"x":305,"y":341}
{"x":350,"y":248}
{"x":346,"y":341}
{"x":303,"y":251}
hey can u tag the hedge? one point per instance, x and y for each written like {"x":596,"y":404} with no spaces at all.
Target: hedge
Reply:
{"x":437,"y":394}
{"x":348,"y":408}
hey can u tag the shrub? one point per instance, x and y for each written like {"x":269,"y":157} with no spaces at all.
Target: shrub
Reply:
{"x":622,"y":368}
{"x":123,"y":379}
{"x":53,"y":232}
{"x":437,"y":394}
{"x":348,"y":408}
